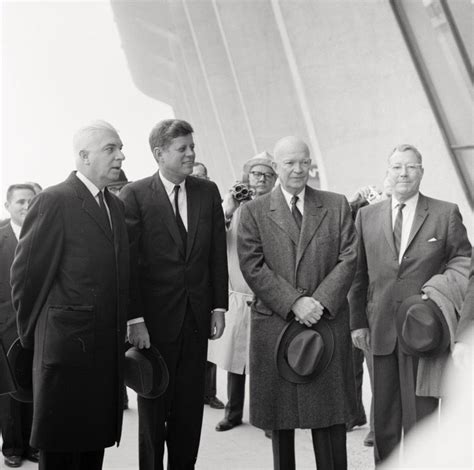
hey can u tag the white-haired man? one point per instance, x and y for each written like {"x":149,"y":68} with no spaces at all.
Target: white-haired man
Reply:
{"x":69,"y":289}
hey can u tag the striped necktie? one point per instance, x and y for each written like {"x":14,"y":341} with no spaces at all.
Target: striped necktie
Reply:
{"x":296,"y":212}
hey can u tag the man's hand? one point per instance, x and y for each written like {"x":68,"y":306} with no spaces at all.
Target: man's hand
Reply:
{"x":138,"y":335}
{"x":462,"y":356}
{"x":361,"y":339}
{"x":229,"y":205}
{"x":217,"y":324}
{"x":307,"y":310}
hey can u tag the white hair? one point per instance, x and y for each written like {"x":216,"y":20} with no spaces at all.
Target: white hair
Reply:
{"x":83,"y":135}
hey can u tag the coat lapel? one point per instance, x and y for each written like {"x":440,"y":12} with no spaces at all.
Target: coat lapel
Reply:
{"x":386,"y":216}
{"x":194,"y":208}
{"x":280,"y":214}
{"x":10,"y":239}
{"x":89,"y":205}
{"x":421,"y":213}
{"x":165,"y":210}
{"x":314,"y":213}
{"x":115,"y":215}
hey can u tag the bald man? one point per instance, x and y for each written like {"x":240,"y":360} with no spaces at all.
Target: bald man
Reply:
{"x":297,"y":252}
{"x":70,"y":292}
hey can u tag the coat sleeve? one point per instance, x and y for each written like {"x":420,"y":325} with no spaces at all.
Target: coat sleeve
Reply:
{"x":37,"y":258}
{"x":134,"y":229}
{"x":218,"y":255}
{"x":465,"y":326}
{"x":358,"y":291}
{"x":457,"y":243}
{"x":274,"y":291}
{"x":332,"y":291}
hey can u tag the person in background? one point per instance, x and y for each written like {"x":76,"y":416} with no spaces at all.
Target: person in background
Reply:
{"x":210,"y":390}
{"x":15,"y":417}
{"x":36,"y":186}
{"x":403,"y":242}
{"x":231,"y":351}
{"x":70,"y":284}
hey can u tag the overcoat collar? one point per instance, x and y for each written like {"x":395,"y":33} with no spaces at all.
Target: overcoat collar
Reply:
{"x":8,"y":235}
{"x":90,"y":206}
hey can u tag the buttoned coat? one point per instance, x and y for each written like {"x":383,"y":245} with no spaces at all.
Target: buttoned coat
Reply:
{"x":381,"y":283}
{"x":70,"y":290}
{"x":280,"y":266}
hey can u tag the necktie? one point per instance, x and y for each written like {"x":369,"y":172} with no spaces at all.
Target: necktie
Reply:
{"x":296,"y":212}
{"x":179,"y":220}
{"x":397,"y":228}
{"x":103,"y":209}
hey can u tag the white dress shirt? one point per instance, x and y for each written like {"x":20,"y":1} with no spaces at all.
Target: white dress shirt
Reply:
{"x":182,"y":200}
{"x":408,"y":215}
{"x":94,"y":190}
{"x":299,"y":203}
{"x":16,"y":229}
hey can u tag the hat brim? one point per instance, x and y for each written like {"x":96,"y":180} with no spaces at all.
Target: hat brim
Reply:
{"x":160,"y":372}
{"x":258,"y":161}
{"x":287,"y":334}
{"x":21,"y":364}
{"x":400,"y":318}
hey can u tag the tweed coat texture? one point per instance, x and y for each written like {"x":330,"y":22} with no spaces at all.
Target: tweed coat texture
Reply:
{"x":70,"y":282}
{"x":381,"y":284}
{"x":280,"y":266}
{"x":231,"y":351}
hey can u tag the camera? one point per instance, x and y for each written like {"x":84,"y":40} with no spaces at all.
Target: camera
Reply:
{"x":241,"y":192}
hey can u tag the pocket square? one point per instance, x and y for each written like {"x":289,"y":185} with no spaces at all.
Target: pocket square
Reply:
{"x":433,"y":239}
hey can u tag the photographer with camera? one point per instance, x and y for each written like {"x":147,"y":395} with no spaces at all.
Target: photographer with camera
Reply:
{"x":231,"y":351}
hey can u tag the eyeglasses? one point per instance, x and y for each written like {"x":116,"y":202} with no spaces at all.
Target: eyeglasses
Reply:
{"x":259,"y":174}
{"x":410,"y":167}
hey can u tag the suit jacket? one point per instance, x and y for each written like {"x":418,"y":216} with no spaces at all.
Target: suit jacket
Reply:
{"x":166,"y":279}
{"x":8,"y":243}
{"x":70,"y":291}
{"x":381,"y":283}
{"x":466,"y":316}
{"x":280,"y":266}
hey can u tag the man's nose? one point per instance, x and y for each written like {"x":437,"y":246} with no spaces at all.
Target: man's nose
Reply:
{"x":190,"y":152}
{"x":120,"y":155}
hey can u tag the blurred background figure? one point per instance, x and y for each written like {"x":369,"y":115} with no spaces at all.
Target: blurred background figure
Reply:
{"x":210,"y":391}
{"x":15,"y":417}
{"x":231,"y":352}
{"x":118,"y":185}
{"x":37,"y":187}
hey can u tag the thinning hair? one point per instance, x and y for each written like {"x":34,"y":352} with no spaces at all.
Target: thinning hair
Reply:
{"x":165,"y":131}
{"x":405,"y":148}
{"x":195,"y":164}
{"x":15,"y":187}
{"x":82,"y":137}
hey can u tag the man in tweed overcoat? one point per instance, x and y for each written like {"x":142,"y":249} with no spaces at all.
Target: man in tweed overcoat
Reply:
{"x":299,"y":275}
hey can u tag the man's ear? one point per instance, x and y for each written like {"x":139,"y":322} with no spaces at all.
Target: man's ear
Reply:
{"x":157,"y":153}
{"x":84,"y":154}
{"x":6,"y":205}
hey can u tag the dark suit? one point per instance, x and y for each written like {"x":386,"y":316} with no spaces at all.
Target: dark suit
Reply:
{"x":175,"y":292}
{"x":70,"y":290}
{"x":15,"y":417}
{"x":380,"y":286}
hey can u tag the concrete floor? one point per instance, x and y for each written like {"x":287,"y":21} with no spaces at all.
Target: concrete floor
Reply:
{"x":242,"y":448}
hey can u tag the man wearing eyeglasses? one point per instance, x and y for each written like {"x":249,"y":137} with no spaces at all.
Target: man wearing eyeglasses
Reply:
{"x":404,"y":241}
{"x":297,"y":251}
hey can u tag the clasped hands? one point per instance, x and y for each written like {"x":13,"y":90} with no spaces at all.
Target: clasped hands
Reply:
{"x":308,"y":311}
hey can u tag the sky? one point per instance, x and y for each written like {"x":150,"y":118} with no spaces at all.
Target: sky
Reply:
{"x":62,"y":66}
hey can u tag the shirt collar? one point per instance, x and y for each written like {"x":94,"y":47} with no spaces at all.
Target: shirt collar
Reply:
{"x":94,"y":190}
{"x":288,"y":195}
{"x":409,"y":203}
{"x":169,"y":186}
{"x":16,"y":229}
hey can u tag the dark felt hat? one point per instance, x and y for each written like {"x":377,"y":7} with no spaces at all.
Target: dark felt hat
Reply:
{"x":421,"y":327}
{"x":146,"y":372}
{"x":303,"y":353}
{"x":7,"y":382}
{"x":21,"y":364}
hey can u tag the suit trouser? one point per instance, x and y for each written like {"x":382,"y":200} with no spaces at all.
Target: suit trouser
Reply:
{"x":210,"y":390}
{"x":71,"y":460}
{"x":176,"y":416}
{"x":358,"y":367}
{"x":329,"y":446}
{"x":396,"y":406}
{"x":234,"y":409}
{"x":16,"y":420}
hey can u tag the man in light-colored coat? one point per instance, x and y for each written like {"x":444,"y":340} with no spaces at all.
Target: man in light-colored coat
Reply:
{"x":299,"y":275}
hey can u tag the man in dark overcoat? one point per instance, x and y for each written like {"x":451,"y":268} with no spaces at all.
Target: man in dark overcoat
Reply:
{"x":70,"y":282}
{"x":179,"y":290}
{"x":15,"y":416}
{"x":300,"y":268}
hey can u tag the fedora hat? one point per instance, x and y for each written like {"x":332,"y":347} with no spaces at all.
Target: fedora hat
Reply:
{"x":7,"y":382}
{"x":303,"y":353}
{"x":21,"y":364}
{"x":421,"y":327}
{"x":146,"y":372}
{"x":263,"y":158}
